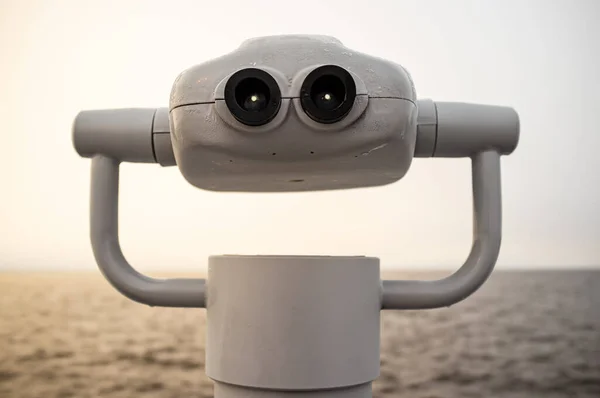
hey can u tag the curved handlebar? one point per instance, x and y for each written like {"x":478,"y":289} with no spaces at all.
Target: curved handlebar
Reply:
{"x":397,"y":294}
{"x":107,"y":250}
{"x":487,"y":233}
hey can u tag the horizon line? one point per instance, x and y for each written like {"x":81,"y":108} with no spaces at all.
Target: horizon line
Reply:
{"x":424,"y":269}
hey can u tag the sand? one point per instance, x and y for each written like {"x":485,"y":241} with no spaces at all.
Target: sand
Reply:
{"x":528,"y":334}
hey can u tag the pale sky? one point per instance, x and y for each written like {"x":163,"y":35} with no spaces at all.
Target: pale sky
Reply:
{"x":541,"y":57}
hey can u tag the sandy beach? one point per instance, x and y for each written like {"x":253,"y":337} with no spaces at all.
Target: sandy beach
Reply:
{"x":524,"y":334}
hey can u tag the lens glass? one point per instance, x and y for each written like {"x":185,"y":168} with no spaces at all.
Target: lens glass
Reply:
{"x":252,"y":95}
{"x":328,"y":92}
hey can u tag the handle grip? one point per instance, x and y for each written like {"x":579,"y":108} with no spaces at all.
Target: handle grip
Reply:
{"x":137,"y":135}
{"x":459,"y":130}
{"x":104,"y":215}
{"x":487,"y":234}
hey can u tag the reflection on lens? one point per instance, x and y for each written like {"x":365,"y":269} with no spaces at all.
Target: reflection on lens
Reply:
{"x":255,"y":102}
{"x":326,"y":100}
{"x":252,"y":96}
{"x":328,"y":93}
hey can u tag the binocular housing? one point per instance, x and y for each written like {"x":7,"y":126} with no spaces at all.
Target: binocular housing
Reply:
{"x":295,"y":113}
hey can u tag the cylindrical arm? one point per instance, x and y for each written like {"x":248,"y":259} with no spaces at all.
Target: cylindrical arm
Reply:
{"x":457,"y":130}
{"x":108,"y":254}
{"x":487,"y":231}
{"x":138,"y":135}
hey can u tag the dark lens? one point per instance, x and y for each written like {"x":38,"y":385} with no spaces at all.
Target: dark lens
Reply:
{"x":328,"y":93}
{"x":252,"y":96}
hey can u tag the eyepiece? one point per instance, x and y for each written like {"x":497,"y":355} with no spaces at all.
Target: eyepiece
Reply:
{"x":327,"y":94}
{"x":252,"y":96}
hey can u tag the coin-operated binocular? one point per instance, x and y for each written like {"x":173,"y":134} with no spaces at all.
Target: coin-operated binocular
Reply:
{"x":282,"y":114}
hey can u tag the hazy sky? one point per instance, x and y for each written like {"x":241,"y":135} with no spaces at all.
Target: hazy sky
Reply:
{"x":541,"y":57}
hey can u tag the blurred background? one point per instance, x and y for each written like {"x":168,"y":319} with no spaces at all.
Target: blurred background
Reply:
{"x":532,"y":330}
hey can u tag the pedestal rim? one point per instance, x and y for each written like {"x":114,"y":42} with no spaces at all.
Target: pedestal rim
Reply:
{"x":294,"y":256}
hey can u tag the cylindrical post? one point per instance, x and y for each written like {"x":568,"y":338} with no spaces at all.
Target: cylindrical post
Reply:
{"x":306,"y":326}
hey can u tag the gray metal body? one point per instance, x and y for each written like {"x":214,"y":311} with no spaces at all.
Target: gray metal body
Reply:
{"x":297,"y":323}
{"x":301,"y":325}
